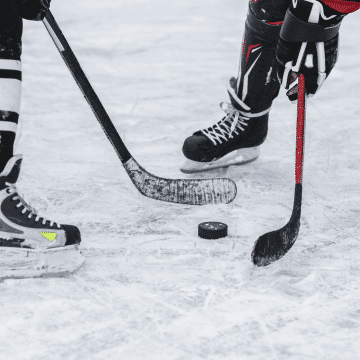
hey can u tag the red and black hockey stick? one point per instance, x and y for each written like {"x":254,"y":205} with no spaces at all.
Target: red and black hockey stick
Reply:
{"x":181,"y":191}
{"x":275,"y":244}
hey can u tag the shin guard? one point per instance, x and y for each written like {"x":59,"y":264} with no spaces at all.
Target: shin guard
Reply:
{"x":257,"y":83}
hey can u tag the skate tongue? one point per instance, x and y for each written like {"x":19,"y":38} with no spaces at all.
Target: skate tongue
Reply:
{"x":231,"y":118}
{"x":234,"y":98}
{"x":25,"y":204}
{"x":11,"y":172}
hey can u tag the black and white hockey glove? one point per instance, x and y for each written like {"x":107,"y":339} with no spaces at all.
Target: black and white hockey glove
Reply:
{"x":308,"y":44}
{"x":34,"y":9}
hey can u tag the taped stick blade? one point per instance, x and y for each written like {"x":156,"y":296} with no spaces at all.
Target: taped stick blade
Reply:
{"x":181,"y":191}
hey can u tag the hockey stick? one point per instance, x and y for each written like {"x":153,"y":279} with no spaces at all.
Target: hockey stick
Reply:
{"x":181,"y":191}
{"x":275,"y":244}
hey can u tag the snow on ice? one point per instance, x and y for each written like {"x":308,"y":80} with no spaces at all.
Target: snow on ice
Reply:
{"x":150,"y":288}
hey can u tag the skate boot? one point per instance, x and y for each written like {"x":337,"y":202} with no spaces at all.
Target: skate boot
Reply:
{"x":234,"y":140}
{"x":20,"y":223}
{"x":22,"y":230}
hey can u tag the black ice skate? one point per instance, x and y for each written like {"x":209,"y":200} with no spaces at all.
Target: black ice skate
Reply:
{"x":234,"y":140}
{"x":22,"y":230}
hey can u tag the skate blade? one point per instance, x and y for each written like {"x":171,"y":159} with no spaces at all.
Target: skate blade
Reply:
{"x":236,"y":157}
{"x":25,"y":263}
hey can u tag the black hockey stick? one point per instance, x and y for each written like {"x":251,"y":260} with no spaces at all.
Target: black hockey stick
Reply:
{"x":275,"y":244}
{"x":182,"y":191}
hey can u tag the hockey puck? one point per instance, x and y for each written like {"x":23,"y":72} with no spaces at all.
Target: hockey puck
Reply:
{"x":212,"y":230}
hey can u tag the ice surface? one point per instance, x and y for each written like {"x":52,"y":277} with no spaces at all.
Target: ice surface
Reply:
{"x":151,"y":289}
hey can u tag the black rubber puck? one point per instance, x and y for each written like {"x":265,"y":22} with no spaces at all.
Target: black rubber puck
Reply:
{"x":212,"y":230}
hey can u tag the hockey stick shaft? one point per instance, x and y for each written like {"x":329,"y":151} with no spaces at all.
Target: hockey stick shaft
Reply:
{"x":300,"y":142}
{"x":180,"y":191}
{"x":300,"y":131}
{"x":86,"y":88}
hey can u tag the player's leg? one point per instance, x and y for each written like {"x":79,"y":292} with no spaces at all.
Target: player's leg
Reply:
{"x":20,"y":225}
{"x":30,"y":245}
{"x":10,"y":77}
{"x":236,"y":138}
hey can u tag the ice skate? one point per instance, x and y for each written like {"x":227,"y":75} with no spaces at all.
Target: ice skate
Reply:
{"x":31,"y":245}
{"x":235,"y":140}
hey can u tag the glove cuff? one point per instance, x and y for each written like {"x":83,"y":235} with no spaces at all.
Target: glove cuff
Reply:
{"x":296,"y":30}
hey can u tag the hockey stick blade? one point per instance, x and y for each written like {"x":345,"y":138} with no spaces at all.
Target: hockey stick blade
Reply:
{"x":180,"y":191}
{"x":274,"y":245}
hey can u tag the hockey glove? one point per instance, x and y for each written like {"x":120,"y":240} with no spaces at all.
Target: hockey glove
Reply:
{"x":34,"y":9}
{"x":308,"y":44}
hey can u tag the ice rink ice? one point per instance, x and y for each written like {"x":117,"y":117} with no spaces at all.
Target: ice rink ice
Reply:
{"x":150,"y":288}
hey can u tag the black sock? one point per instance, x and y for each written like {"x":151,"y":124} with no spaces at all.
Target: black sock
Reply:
{"x":7,"y":139}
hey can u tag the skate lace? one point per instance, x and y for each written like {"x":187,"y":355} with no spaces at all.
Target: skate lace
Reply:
{"x":11,"y":189}
{"x":234,"y":121}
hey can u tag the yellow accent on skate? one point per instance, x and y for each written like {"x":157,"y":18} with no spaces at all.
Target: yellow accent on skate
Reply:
{"x":48,"y":235}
